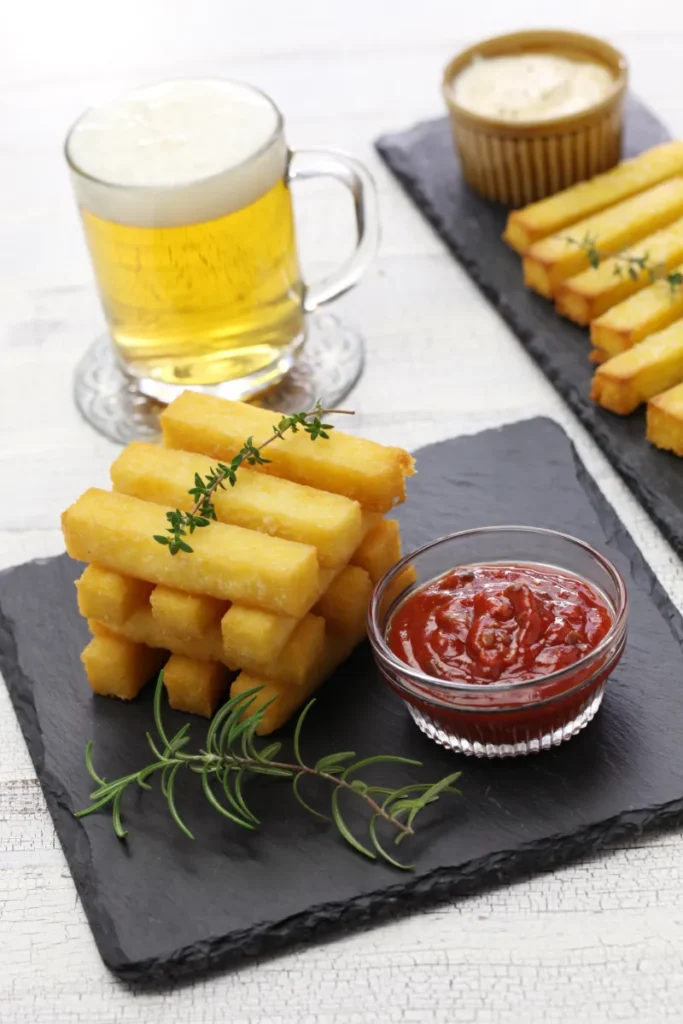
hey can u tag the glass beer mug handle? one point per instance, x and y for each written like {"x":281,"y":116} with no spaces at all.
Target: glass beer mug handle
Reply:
{"x":316,"y":163}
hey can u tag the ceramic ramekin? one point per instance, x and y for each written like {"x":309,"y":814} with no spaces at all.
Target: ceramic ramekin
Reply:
{"x":519,"y":162}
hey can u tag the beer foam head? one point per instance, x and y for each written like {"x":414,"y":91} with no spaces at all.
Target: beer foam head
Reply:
{"x":180,"y":152}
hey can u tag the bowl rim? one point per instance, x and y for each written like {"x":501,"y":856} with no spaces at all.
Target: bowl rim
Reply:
{"x":381,"y":649}
{"x":619,"y":67}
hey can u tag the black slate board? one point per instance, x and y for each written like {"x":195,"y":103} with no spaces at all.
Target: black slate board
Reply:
{"x":423,"y":160}
{"x":160,"y":905}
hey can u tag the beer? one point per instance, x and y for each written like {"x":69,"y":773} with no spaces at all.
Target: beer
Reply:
{"x":188,"y":217}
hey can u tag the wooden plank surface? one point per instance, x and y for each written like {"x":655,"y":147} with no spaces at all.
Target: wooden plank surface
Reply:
{"x":599,"y":941}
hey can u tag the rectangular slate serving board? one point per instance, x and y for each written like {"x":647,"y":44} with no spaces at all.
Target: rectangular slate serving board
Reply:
{"x":160,"y":905}
{"x":424,"y":161}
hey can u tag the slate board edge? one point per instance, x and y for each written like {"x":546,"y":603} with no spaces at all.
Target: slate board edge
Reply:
{"x":393,"y":158}
{"x":409,"y":893}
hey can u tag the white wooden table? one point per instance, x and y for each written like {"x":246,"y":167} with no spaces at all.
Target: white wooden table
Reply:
{"x":598,"y":941}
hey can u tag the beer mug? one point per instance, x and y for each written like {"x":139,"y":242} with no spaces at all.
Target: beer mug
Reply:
{"x":184,"y":194}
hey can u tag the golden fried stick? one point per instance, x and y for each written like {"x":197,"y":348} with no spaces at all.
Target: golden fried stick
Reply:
{"x":228,"y":562}
{"x":665,"y":420}
{"x":553,"y":259}
{"x":365,"y":471}
{"x":332,"y":523}
{"x":537,"y":220}
{"x":627,"y":380}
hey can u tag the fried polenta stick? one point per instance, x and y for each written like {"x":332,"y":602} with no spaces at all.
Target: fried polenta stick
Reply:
{"x":380,"y":550}
{"x":251,"y":636}
{"x":109,"y":596}
{"x":247,"y":632}
{"x":180,"y":621}
{"x":627,"y":380}
{"x":562,"y":255}
{"x":292,"y":666}
{"x":344,"y":603}
{"x":526,"y":226}
{"x":365,"y":471}
{"x":341,"y":638}
{"x":228,"y":562}
{"x":142,"y":628}
{"x":332,"y":523}
{"x":185,"y":615}
{"x":586,"y":296}
{"x":196,"y":687}
{"x":665,"y":420}
{"x":116,"y":667}
{"x":645,"y":313}
{"x":287,"y":699}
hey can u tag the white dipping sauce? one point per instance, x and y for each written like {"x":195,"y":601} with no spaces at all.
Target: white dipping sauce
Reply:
{"x":530,"y":86}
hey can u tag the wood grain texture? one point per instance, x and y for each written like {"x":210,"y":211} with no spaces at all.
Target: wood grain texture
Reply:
{"x":599,"y":941}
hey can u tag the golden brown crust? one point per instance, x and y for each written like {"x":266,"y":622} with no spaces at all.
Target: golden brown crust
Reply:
{"x":547,"y":216}
{"x":365,"y":471}
{"x":562,"y":255}
{"x":626,"y":381}
{"x":618,"y":396}
{"x":195,"y":687}
{"x":645,"y":313}
{"x":665,"y":420}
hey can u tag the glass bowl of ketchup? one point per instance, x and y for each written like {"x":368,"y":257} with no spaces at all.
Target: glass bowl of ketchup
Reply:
{"x":500,"y":640}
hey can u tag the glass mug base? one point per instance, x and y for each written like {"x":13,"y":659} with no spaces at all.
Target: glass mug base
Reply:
{"x":520,"y":743}
{"x":237,"y":386}
{"x":326,"y":366}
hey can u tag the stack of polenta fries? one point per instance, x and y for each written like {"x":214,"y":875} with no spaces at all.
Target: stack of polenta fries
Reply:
{"x":628,"y":221}
{"x":273,"y":595}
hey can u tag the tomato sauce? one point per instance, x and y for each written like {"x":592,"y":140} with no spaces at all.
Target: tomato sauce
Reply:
{"x":499,"y":624}
{"x":495,"y":626}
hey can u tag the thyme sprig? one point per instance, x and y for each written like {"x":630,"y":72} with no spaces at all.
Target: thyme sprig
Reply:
{"x":231,"y":754}
{"x":625,"y":264}
{"x":180,"y":524}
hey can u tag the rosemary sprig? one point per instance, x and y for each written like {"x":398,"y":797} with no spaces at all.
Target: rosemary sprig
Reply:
{"x":231,"y":754}
{"x":203,"y":511}
{"x":632,"y":266}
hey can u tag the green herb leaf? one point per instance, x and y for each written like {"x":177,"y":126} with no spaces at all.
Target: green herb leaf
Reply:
{"x":170,"y":797}
{"x":626,"y":263}
{"x":116,"y":816}
{"x":306,"y":806}
{"x":231,"y":754}
{"x":372,"y":829}
{"x":345,"y":830}
{"x":217,"y":805}
{"x":203,"y":490}
{"x":89,"y":765}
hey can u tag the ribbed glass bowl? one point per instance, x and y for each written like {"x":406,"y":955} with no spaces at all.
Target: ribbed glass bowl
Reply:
{"x":501,"y":719}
